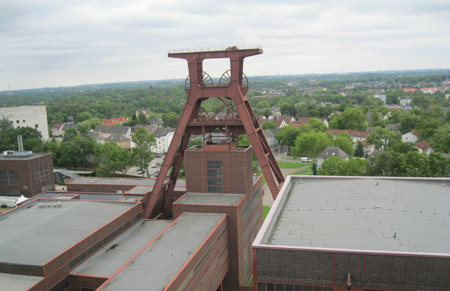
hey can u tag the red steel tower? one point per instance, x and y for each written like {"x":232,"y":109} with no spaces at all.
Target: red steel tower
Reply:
{"x":238,"y":118}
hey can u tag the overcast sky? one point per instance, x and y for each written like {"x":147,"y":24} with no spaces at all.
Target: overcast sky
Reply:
{"x":49,"y":43}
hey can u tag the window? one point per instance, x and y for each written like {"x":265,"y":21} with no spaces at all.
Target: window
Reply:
{"x":215,"y":176}
{"x":36,"y":125}
{"x":9,"y":177}
{"x":17,"y":121}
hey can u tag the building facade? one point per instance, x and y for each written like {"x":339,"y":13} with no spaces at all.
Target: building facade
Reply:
{"x":25,"y":173}
{"x":27,"y":116}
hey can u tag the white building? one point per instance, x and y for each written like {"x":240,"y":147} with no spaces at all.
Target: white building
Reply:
{"x":27,"y":116}
{"x":410,"y":137}
{"x":163,"y":138}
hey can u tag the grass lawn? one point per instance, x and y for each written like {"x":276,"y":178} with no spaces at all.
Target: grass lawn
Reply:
{"x":291,"y":165}
{"x":265,"y":211}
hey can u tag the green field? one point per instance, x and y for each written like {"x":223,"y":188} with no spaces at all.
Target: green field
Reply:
{"x":266,"y":210}
{"x":290,"y":165}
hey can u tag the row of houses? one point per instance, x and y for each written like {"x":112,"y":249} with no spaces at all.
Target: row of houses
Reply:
{"x":121,"y":135}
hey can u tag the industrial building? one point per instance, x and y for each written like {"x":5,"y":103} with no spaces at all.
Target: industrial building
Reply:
{"x":27,"y":116}
{"x":25,"y":173}
{"x":207,"y":232}
{"x":356,"y":233}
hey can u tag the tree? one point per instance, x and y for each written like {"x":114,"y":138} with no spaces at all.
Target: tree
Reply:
{"x":359,"y":152}
{"x":112,"y":158}
{"x":333,"y":166}
{"x":310,"y":144}
{"x":70,"y":134}
{"x":83,"y":116}
{"x":345,"y":145}
{"x":287,"y":109}
{"x":351,"y":119}
{"x":141,"y":153}
{"x":440,"y":141}
{"x":170,"y":119}
{"x":268,"y":125}
{"x":31,"y":137}
{"x":142,"y":118}
{"x":243,"y":140}
{"x":75,"y":152}
{"x":287,"y":135}
{"x":5,"y":124}
{"x":356,"y":167}
{"x":85,"y":126}
{"x":439,"y":165}
{"x":313,"y":124}
{"x":386,"y":164}
{"x":383,"y":138}
{"x":263,"y":104}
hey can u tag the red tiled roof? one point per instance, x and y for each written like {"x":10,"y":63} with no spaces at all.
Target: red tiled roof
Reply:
{"x":423,"y":145}
{"x":58,"y":125}
{"x":115,"y":120}
{"x":353,"y":133}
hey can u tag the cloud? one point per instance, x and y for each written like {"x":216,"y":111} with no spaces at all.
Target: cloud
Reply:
{"x":51,"y":43}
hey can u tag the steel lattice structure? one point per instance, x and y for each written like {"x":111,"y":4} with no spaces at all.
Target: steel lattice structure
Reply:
{"x":238,"y":119}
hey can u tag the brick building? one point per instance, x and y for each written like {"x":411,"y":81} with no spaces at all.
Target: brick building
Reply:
{"x":25,"y":173}
{"x":367,"y":233}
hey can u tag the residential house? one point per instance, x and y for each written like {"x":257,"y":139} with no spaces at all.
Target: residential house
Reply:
{"x":331,"y":151}
{"x":282,"y":121}
{"x":409,"y":90}
{"x":368,"y":148}
{"x":357,"y":136}
{"x":381,"y":97}
{"x":121,"y":135}
{"x":114,"y":121}
{"x":410,"y":137}
{"x":155,"y":121}
{"x":59,"y":129}
{"x":430,"y":90}
{"x":424,"y":147}
{"x":270,"y":137}
{"x":303,"y":120}
{"x":163,"y":136}
{"x":146,"y":112}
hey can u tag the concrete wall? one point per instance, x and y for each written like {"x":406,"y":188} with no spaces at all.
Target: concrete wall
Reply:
{"x":31,"y":116}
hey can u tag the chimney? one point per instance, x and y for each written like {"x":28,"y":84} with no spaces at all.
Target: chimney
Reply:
{"x":20,"y":143}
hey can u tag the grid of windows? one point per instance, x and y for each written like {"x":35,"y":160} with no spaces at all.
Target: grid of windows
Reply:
{"x":9,"y":177}
{"x":262,"y":286}
{"x":215,"y":176}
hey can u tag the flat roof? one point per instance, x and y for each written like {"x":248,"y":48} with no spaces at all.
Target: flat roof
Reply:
{"x":211,"y":199}
{"x":33,"y":235}
{"x":121,"y":181}
{"x":140,"y":190}
{"x":82,"y":195}
{"x":360,"y":213}
{"x":118,"y":252}
{"x":162,"y":260}
{"x":13,"y":282}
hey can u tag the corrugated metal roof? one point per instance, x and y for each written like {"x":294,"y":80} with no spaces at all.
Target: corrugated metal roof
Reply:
{"x":400,"y":215}
{"x":117,"y":253}
{"x":33,"y":235}
{"x":157,"y":265}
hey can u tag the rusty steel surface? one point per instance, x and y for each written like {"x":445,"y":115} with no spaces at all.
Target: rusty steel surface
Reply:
{"x":238,"y":119}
